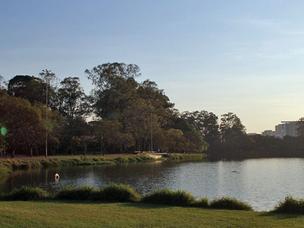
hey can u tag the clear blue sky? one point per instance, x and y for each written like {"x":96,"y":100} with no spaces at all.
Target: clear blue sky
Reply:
{"x":241,"y":56}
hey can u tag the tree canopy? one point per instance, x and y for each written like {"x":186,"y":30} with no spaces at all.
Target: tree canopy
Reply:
{"x":121,"y":114}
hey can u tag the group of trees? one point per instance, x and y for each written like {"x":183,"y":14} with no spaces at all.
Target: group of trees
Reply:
{"x":120,"y":115}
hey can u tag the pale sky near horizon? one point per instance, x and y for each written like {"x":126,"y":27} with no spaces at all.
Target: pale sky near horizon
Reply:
{"x":239,"y":56}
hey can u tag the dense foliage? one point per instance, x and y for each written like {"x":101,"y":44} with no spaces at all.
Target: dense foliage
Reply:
{"x":120,"y":115}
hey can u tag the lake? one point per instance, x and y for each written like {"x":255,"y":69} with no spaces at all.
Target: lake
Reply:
{"x":260,"y":182}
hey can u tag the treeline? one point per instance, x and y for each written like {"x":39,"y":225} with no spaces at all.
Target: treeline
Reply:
{"x":120,"y":114}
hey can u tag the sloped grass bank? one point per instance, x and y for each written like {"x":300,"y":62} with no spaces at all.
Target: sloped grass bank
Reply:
{"x":79,"y":214}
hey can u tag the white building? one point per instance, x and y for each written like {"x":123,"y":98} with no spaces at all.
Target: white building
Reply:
{"x":285,"y":128}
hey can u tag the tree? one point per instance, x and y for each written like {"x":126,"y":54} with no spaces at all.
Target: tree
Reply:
{"x":103,"y":75}
{"x":193,"y":139}
{"x":159,"y":102}
{"x":2,"y":84}
{"x":48,"y":77}
{"x":73,"y":102}
{"x":71,"y":131}
{"x":207,"y":124}
{"x":231,"y":126}
{"x":301,"y":127}
{"x":110,"y":134}
{"x":234,"y":141}
{"x":25,"y":127}
{"x":115,"y":87}
{"x":27,"y":87}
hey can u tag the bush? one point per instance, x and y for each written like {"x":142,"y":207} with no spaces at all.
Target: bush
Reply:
{"x":203,"y":203}
{"x":168,"y":197}
{"x":26,"y":193}
{"x":230,"y":204}
{"x":117,"y":193}
{"x":290,"y":205}
{"x":82,"y":193}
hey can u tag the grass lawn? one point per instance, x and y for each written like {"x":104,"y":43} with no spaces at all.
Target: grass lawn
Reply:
{"x":58,"y":214}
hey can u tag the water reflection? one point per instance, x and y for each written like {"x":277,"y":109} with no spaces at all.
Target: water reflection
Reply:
{"x":260,"y":182}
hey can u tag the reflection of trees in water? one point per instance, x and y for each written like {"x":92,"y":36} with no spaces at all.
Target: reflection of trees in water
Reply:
{"x":144,"y":177}
{"x":34,"y":177}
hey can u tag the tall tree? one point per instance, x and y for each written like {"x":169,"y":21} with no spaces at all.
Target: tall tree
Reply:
{"x":301,"y":127}
{"x":73,"y":102}
{"x":49,"y":78}
{"x":26,"y":126}
{"x":207,"y":124}
{"x":231,"y":126}
{"x":2,"y":84}
{"x":27,"y":87}
{"x":115,"y":87}
{"x":103,"y":75}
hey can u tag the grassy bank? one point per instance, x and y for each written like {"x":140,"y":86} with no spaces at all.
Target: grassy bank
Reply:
{"x":58,"y":214}
{"x":7,"y":165}
{"x":123,"y":193}
{"x":185,"y":157}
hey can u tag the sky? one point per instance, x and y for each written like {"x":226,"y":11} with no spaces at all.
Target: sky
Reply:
{"x":239,"y":56}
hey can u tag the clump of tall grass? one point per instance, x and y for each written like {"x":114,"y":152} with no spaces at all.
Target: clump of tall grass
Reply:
{"x":117,"y":193}
{"x":202,"y":203}
{"x":81,"y":193}
{"x":230,"y":204}
{"x":26,"y":193}
{"x":111,"y":193}
{"x":290,"y":206}
{"x":169,"y":197}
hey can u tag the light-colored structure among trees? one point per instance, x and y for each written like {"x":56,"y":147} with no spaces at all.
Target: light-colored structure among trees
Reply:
{"x":285,"y":128}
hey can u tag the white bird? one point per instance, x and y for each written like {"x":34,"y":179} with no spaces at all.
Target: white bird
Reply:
{"x":57,"y":177}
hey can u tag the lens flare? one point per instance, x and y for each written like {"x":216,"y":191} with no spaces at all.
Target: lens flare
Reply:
{"x":3,"y":131}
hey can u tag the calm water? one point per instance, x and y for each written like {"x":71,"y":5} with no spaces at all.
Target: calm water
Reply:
{"x":260,"y":182}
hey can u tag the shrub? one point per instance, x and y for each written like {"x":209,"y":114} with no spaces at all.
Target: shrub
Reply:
{"x":82,"y":193}
{"x":168,"y":197}
{"x":203,"y":203}
{"x":117,"y":193}
{"x":230,"y":204}
{"x":26,"y":193}
{"x":290,"y":205}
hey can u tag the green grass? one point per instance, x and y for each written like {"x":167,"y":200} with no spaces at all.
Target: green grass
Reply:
{"x":54,"y":214}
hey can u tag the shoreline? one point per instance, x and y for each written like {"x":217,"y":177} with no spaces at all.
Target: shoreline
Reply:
{"x":9,"y":165}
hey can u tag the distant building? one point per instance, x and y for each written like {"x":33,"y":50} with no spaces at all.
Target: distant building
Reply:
{"x":286,"y":128}
{"x":268,"y":133}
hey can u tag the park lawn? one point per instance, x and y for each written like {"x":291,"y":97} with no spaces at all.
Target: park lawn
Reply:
{"x":59,"y":214}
